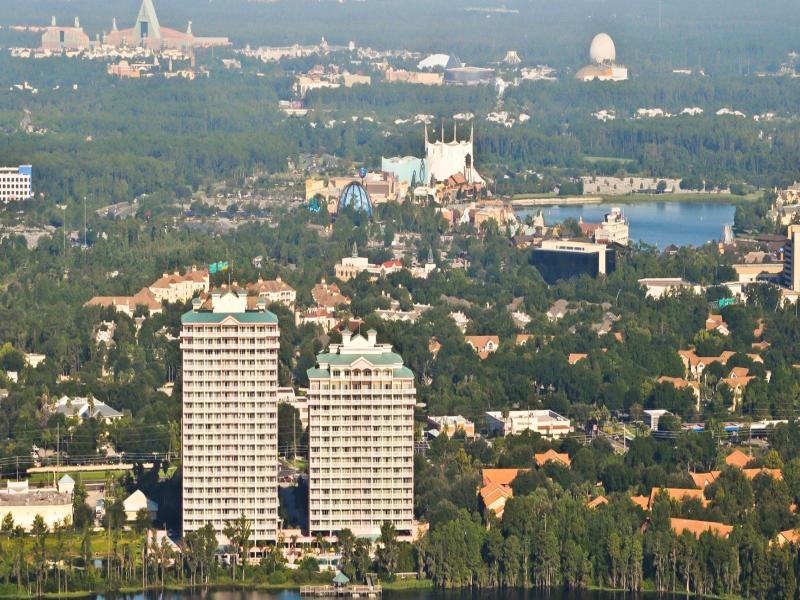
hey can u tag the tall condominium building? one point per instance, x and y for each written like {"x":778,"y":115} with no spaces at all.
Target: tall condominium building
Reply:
{"x":15,"y":183}
{"x":361,"y":438}
{"x":791,"y":259}
{"x":230,"y":414}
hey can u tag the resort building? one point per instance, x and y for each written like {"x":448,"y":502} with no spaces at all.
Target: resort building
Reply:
{"x":15,"y":183}
{"x":450,"y":425}
{"x":180,"y":288}
{"x":230,"y":414}
{"x":484,"y":345}
{"x":351,"y":266}
{"x":547,"y":423}
{"x":613,"y":229}
{"x":496,"y":489}
{"x":275,"y":291}
{"x":361,"y":438}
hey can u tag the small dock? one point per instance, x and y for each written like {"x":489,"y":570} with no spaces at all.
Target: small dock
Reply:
{"x":341,"y":591}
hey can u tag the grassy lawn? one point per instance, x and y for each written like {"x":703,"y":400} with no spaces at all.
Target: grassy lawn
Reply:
{"x":614,"y":159}
{"x":85,"y":476}
{"x":532,"y":196}
{"x":408,"y":584}
{"x":707,"y":198}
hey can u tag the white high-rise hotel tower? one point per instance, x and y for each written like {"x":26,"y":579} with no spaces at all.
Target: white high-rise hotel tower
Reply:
{"x":361,"y":438}
{"x":230,"y":407}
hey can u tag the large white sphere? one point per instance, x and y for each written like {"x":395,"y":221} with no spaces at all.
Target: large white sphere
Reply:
{"x":603,"y":49}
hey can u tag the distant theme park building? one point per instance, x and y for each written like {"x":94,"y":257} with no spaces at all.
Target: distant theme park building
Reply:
{"x":361,"y":439}
{"x":230,"y":414}
{"x":603,"y":67}
{"x":57,"y":38}
{"x":147,"y":32}
{"x":445,"y":159}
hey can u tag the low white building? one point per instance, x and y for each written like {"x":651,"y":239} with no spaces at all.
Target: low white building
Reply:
{"x":450,"y":425}
{"x":54,"y":505}
{"x":33,"y":360}
{"x":658,"y":287}
{"x":136,"y":502}
{"x":547,"y":423}
{"x":86,"y":408}
{"x":652,"y":417}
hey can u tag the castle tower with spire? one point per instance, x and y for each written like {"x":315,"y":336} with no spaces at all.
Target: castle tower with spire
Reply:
{"x":445,"y":159}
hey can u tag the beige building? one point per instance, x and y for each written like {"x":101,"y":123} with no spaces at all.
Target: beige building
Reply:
{"x":545,"y":422}
{"x":361,"y":438}
{"x":180,"y":288}
{"x":230,"y":414}
{"x":450,"y":425}
{"x":275,"y":291}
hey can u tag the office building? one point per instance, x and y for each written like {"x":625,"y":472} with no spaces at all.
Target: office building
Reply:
{"x":361,"y":438}
{"x":230,"y":414}
{"x":545,"y":422}
{"x":15,"y":183}
{"x":563,"y":259}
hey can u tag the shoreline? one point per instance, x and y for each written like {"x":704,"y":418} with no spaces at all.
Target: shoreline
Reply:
{"x":523,"y":203}
{"x":399,"y":585}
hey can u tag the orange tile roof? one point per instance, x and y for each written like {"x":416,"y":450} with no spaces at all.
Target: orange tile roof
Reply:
{"x":576,"y":357}
{"x":753,"y":473}
{"x":714,"y":322}
{"x":500,"y":476}
{"x":678,"y":495}
{"x":599,"y":501}
{"x":328,"y":295}
{"x":737,"y":458}
{"x":269,"y":287}
{"x":492,"y":492}
{"x":641,"y":501}
{"x":701,"y":480}
{"x":497,"y":488}
{"x":480,"y":341}
{"x":551,"y":455}
{"x":523,"y":338}
{"x":678,"y":382}
{"x":790,"y":536}
{"x":697,"y":528}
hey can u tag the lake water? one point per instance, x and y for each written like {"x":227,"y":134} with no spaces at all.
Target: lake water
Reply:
{"x":556,"y":594}
{"x":656,"y":223}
